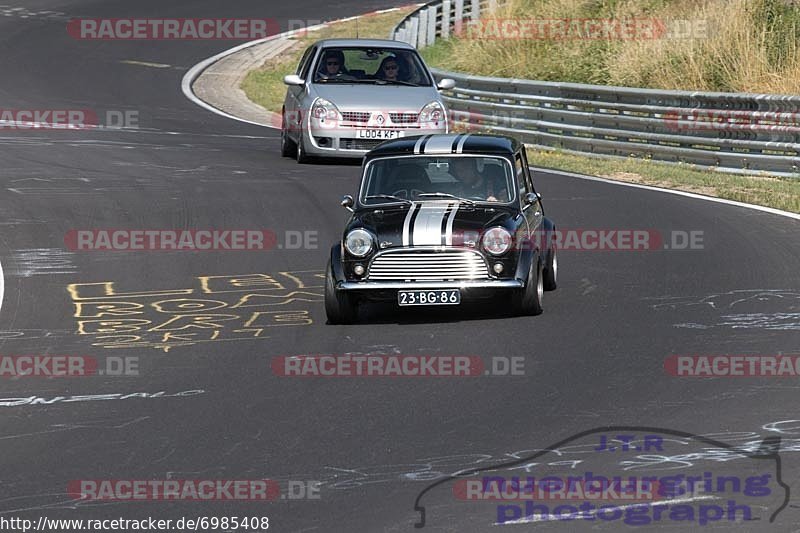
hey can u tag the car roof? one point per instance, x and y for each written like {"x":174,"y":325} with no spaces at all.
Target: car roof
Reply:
{"x":446,"y":144}
{"x":372,"y":43}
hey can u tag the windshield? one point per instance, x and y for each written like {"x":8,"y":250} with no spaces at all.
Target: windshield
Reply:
{"x":428,"y":178}
{"x":377,"y":66}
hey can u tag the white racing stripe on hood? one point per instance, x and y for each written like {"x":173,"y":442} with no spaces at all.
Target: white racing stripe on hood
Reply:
{"x":428,"y":224}
{"x":460,"y":147}
{"x":407,"y":223}
{"x":441,"y":144}
{"x":449,"y":232}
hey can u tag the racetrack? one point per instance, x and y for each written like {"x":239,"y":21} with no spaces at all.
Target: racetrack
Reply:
{"x":594,"y":358}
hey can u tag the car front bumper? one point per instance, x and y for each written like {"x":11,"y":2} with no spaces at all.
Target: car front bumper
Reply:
{"x":414,"y":285}
{"x":343,"y":141}
{"x":387,"y":291}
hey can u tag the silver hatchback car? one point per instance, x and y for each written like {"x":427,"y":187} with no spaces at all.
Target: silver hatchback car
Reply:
{"x":349,"y":95}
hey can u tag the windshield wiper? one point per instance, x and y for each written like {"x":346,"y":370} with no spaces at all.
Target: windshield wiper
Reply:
{"x":445,"y":195}
{"x":387,"y":197}
{"x":397,"y":82}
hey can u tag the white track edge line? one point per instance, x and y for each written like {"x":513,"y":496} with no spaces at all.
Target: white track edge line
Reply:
{"x":765,"y":209}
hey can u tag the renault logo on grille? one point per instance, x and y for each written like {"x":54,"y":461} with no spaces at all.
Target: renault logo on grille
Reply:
{"x":380,"y":118}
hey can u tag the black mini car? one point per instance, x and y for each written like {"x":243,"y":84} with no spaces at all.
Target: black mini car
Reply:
{"x":441,"y":217}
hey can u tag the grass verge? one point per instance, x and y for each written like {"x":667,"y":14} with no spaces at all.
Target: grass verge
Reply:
{"x":776,"y":192}
{"x":697,"y":45}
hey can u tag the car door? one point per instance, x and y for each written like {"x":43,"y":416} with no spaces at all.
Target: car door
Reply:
{"x":294,"y":103}
{"x":532,"y":212}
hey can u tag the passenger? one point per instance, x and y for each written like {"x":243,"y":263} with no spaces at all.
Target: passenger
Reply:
{"x":408,"y":69}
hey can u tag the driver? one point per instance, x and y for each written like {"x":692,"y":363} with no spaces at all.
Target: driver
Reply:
{"x":389,"y":69}
{"x":332,"y":64}
{"x":473,"y":184}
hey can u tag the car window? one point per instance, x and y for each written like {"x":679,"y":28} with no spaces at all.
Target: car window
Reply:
{"x":522,"y":180}
{"x":527,"y":170}
{"x":376,"y":65}
{"x":429,"y":178}
{"x":305,"y":62}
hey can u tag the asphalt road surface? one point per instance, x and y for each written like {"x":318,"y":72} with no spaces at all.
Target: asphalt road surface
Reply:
{"x":206,"y":403}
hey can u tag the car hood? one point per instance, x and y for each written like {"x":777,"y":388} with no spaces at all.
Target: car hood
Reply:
{"x":431,"y":223}
{"x":350,"y":97}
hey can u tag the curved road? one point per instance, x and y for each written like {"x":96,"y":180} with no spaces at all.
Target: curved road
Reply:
{"x":207,"y":405}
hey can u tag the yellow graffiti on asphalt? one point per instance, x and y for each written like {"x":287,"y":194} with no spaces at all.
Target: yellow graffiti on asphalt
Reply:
{"x":218,"y":309}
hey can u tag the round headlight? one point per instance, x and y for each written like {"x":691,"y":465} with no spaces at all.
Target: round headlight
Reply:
{"x":432,"y":112}
{"x":496,"y":241}
{"x":358,"y":242}
{"x":323,"y":109}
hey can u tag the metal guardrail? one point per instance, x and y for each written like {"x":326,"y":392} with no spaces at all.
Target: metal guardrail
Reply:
{"x":730,"y":132}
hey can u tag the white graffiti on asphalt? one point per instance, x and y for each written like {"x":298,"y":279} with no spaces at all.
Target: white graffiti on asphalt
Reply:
{"x":35,"y":400}
{"x":760,"y":305}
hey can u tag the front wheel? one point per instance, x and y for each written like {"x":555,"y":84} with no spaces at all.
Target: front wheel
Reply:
{"x":528,"y":301}
{"x":288,"y":146}
{"x":301,"y":155}
{"x":340,"y":306}
{"x":551,"y":270}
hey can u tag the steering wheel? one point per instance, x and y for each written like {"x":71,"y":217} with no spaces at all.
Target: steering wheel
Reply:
{"x":408,"y":194}
{"x":401,"y":193}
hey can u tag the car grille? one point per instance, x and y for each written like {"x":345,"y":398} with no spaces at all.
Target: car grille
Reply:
{"x":404,"y":118}
{"x":428,"y":265}
{"x":356,"y":116}
{"x":359,"y":144}
{"x":397,"y":119}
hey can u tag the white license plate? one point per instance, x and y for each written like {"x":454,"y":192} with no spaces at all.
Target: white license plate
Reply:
{"x":431,"y":297}
{"x":378,"y":134}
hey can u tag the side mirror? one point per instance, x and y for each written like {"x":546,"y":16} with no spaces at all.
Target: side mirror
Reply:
{"x":446,"y":84}
{"x":293,"y":79}
{"x":347,"y":202}
{"x":532,"y":198}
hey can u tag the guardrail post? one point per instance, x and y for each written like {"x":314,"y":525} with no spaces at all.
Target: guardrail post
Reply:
{"x":458,"y":19}
{"x":431,"y":25}
{"x":422,"y":29}
{"x":414,"y":32}
{"x":475,"y":13}
{"x":445,"y":19}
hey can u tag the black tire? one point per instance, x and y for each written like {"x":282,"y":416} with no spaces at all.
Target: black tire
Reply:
{"x":288,"y":146}
{"x":300,"y":154}
{"x":528,"y":301}
{"x":551,"y":270}
{"x":340,"y":306}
